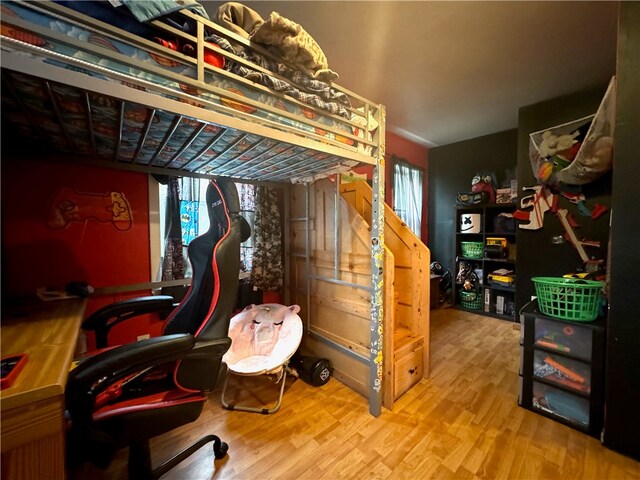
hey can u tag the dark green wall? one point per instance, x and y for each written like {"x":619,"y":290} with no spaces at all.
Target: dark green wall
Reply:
{"x":451,"y":168}
{"x":622,"y":376}
{"x":537,"y":255}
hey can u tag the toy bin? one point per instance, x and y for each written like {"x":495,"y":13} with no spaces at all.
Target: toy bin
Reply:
{"x":472,"y":249}
{"x":574,"y":340}
{"x":572,"y":299}
{"x":471,"y":300}
{"x":559,"y":403}
{"x":566,"y":372}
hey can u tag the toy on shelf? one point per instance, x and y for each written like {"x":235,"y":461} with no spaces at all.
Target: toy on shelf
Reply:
{"x":484,"y":181}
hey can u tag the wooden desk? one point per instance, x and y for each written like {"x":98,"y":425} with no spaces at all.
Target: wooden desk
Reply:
{"x":32,"y":408}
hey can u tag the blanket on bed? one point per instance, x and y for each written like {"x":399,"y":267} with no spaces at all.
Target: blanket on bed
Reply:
{"x":132,"y":15}
{"x":286,"y":37}
{"x":148,"y":10}
{"x":295,"y":46}
{"x":318,"y":94}
{"x":238,"y":18}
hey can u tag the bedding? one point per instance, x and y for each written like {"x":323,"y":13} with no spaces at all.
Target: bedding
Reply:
{"x":131,"y":16}
{"x":318,"y":94}
{"x":238,"y":18}
{"x":286,"y":37}
{"x":170,"y":64}
{"x":295,"y":45}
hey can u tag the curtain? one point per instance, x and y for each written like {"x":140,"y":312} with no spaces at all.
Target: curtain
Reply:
{"x":189,"y":208}
{"x":173,"y":260}
{"x":247,"y":193}
{"x":407,"y":193}
{"x":267,"y":271}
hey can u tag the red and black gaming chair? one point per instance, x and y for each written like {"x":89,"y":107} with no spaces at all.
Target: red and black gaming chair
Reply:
{"x":128,"y":394}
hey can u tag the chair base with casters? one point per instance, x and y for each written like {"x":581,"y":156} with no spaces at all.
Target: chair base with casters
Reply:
{"x":263,"y":339}
{"x":140,"y":457}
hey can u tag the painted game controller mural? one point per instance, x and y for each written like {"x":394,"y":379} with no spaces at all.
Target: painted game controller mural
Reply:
{"x":70,"y":206}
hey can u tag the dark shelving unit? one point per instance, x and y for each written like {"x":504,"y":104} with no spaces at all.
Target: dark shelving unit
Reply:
{"x":490,"y":291}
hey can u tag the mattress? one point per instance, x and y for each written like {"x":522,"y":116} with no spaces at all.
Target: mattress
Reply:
{"x":135,"y":133}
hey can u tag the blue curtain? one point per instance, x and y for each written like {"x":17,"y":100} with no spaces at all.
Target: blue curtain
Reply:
{"x":189,"y":208}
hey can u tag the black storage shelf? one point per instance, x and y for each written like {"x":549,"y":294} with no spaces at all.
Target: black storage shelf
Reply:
{"x":582,"y":345}
{"x":488,"y":213}
{"x":500,"y":234}
{"x":501,"y":288}
{"x":500,"y":260}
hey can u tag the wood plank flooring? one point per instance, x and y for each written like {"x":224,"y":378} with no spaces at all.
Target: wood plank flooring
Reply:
{"x":463,"y":422}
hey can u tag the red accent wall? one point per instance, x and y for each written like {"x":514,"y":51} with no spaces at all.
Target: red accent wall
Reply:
{"x":36,"y":255}
{"x":415,"y":154}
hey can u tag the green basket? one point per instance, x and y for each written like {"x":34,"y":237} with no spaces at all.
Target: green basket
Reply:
{"x":568,"y":298}
{"x":471,"y":300}
{"x":472,"y":249}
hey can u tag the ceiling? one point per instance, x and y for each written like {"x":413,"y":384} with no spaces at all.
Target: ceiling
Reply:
{"x":448,"y":71}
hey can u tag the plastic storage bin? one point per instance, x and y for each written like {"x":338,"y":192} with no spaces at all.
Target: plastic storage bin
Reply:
{"x":472,"y":249}
{"x":568,"y":298}
{"x":471,"y":300}
{"x":562,"y":369}
{"x":562,"y":404}
{"x":569,"y":373}
{"x":573,"y":340}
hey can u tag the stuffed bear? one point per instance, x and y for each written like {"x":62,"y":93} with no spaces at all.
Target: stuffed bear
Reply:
{"x":551,"y":143}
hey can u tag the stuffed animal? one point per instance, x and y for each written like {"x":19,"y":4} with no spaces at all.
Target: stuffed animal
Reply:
{"x":600,"y":157}
{"x":551,"y":143}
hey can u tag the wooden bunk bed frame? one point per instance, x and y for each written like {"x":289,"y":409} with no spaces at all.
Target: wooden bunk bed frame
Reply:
{"x":303,"y":154}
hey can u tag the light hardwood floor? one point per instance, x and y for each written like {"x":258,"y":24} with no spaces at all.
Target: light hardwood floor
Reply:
{"x":463,"y":422}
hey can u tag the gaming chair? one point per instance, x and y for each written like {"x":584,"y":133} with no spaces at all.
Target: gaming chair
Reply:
{"x":124,"y":396}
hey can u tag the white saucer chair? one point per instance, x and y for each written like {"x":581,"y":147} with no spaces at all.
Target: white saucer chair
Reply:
{"x":263,"y":339}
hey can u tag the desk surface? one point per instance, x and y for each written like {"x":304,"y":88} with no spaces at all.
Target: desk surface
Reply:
{"x":48,"y":332}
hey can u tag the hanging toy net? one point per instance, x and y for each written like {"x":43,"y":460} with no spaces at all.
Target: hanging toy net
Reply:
{"x":576,"y":152}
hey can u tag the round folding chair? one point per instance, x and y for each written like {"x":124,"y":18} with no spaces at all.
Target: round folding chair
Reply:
{"x":263,"y":339}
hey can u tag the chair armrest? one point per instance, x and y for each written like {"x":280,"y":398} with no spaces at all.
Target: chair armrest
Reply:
{"x":103,"y":319}
{"x":124,"y":359}
{"x":101,"y":370}
{"x":97,"y":372}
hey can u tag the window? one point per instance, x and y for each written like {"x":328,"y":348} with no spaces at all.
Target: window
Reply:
{"x":194,"y":219}
{"x":407,"y":193}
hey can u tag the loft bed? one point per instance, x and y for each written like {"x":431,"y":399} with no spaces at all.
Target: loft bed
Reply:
{"x":114,"y":98}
